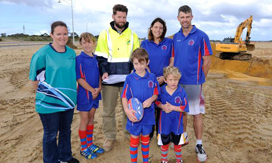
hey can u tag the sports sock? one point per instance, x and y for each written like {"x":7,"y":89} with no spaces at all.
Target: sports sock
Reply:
{"x":145,"y":148}
{"x":164,"y":152}
{"x":90,"y":135}
{"x":83,"y":141}
{"x":198,"y":141}
{"x":134,"y":143}
{"x":177,"y":149}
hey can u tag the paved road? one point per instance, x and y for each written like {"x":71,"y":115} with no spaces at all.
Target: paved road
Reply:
{"x":22,"y":43}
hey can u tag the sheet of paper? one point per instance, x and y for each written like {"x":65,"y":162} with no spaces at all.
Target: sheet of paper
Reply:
{"x":113,"y":79}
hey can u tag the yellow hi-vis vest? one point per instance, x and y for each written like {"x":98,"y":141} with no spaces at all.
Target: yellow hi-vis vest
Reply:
{"x":116,"y":47}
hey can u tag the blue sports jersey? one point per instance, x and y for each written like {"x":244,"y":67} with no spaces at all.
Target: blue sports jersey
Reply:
{"x":188,"y":52}
{"x":159,"y":54}
{"x":141,"y":88}
{"x":87,"y":69}
{"x":173,"y":121}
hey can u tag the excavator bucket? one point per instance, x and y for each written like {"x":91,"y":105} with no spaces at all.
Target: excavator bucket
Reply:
{"x":250,"y":47}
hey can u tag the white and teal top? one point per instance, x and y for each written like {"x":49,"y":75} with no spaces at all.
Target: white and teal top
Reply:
{"x":56,"y":73}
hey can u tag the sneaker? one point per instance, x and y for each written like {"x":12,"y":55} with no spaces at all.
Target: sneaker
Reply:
{"x":186,"y":141}
{"x":180,"y":161}
{"x":73,"y":160}
{"x":96,"y":149}
{"x":201,"y":154}
{"x":108,"y":144}
{"x":164,"y":162}
{"x":88,"y":154}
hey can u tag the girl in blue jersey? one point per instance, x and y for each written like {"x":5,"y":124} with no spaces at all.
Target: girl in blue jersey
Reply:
{"x":173,"y":101}
{"x":89,"y":87}
{"x":142,"y":85}
{"x":159,"y":50}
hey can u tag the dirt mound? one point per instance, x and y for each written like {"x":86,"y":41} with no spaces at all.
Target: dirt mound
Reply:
{"x":259,"y":66}
{"x":256,"y":67}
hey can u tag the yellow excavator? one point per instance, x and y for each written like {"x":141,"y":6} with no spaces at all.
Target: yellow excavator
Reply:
{"x":235,"y":48}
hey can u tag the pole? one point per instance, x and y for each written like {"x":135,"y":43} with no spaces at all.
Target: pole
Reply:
{"x":73,"y":34}
{"x":73,"y":22}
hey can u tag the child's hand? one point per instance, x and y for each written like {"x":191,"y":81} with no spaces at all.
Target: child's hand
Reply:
{"x":96,"y":92}
{"x":164,"y":107}
{"x":130,"y":115}
{"x":94,"y":95}
{"x":168,"y":107}
{"x":147,"y":103}
{"x":160,"y":79}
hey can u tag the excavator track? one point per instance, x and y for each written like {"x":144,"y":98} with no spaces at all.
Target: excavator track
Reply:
{"x":242,"y":56}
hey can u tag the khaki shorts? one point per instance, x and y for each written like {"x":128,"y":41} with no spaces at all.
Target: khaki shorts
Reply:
{"x":196,"y":99}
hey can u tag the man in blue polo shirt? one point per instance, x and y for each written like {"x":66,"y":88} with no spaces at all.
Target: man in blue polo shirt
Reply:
{"x":192,"y":55}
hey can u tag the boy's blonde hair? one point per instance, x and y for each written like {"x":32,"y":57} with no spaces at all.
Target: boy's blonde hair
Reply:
{"x":140,"y":54}
{"x":171,"y":70}
{"x":88,"y":37}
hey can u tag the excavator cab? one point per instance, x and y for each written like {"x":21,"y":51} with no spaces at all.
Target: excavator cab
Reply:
{"x":228,"y":40}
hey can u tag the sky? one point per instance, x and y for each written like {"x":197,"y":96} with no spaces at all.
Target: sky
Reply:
{"x":217,"y":18}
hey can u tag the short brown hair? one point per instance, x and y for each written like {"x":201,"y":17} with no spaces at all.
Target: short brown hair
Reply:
{"x":171,"y":70}
{"x":186,"y":9}
{"x":150,"y":34}
{"x":55,"y":24}
{"x":88,"y":37}
{"x":119,"y":7}
{"x":140,"y":54}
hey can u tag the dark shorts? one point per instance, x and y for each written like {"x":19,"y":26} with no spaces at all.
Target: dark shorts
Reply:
{"x":166,"y":139}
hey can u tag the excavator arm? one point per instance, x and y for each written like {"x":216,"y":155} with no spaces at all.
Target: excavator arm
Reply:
{"x":247,"y":23}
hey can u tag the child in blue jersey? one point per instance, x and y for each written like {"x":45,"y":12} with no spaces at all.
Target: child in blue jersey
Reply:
{"x":173,"y":101}
{"x":142,"y":85}
{"x":89,"y":87}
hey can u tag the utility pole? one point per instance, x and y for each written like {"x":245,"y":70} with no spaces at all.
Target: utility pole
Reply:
{"x":23,"y":29}
{"x":72,"y":19}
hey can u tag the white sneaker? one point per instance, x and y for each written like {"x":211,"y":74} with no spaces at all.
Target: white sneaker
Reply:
{"x":201,"y":154}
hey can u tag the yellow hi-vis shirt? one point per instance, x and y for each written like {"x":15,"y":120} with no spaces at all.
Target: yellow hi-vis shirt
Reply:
{"x":116,"y":47}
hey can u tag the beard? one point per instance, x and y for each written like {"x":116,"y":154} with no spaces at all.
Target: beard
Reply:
{"x":118,"y":25}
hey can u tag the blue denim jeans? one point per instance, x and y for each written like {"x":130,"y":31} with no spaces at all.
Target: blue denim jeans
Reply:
{"x":53,"y":124}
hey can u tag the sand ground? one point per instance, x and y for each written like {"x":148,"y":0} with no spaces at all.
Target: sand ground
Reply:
{"x":237,"y":123}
